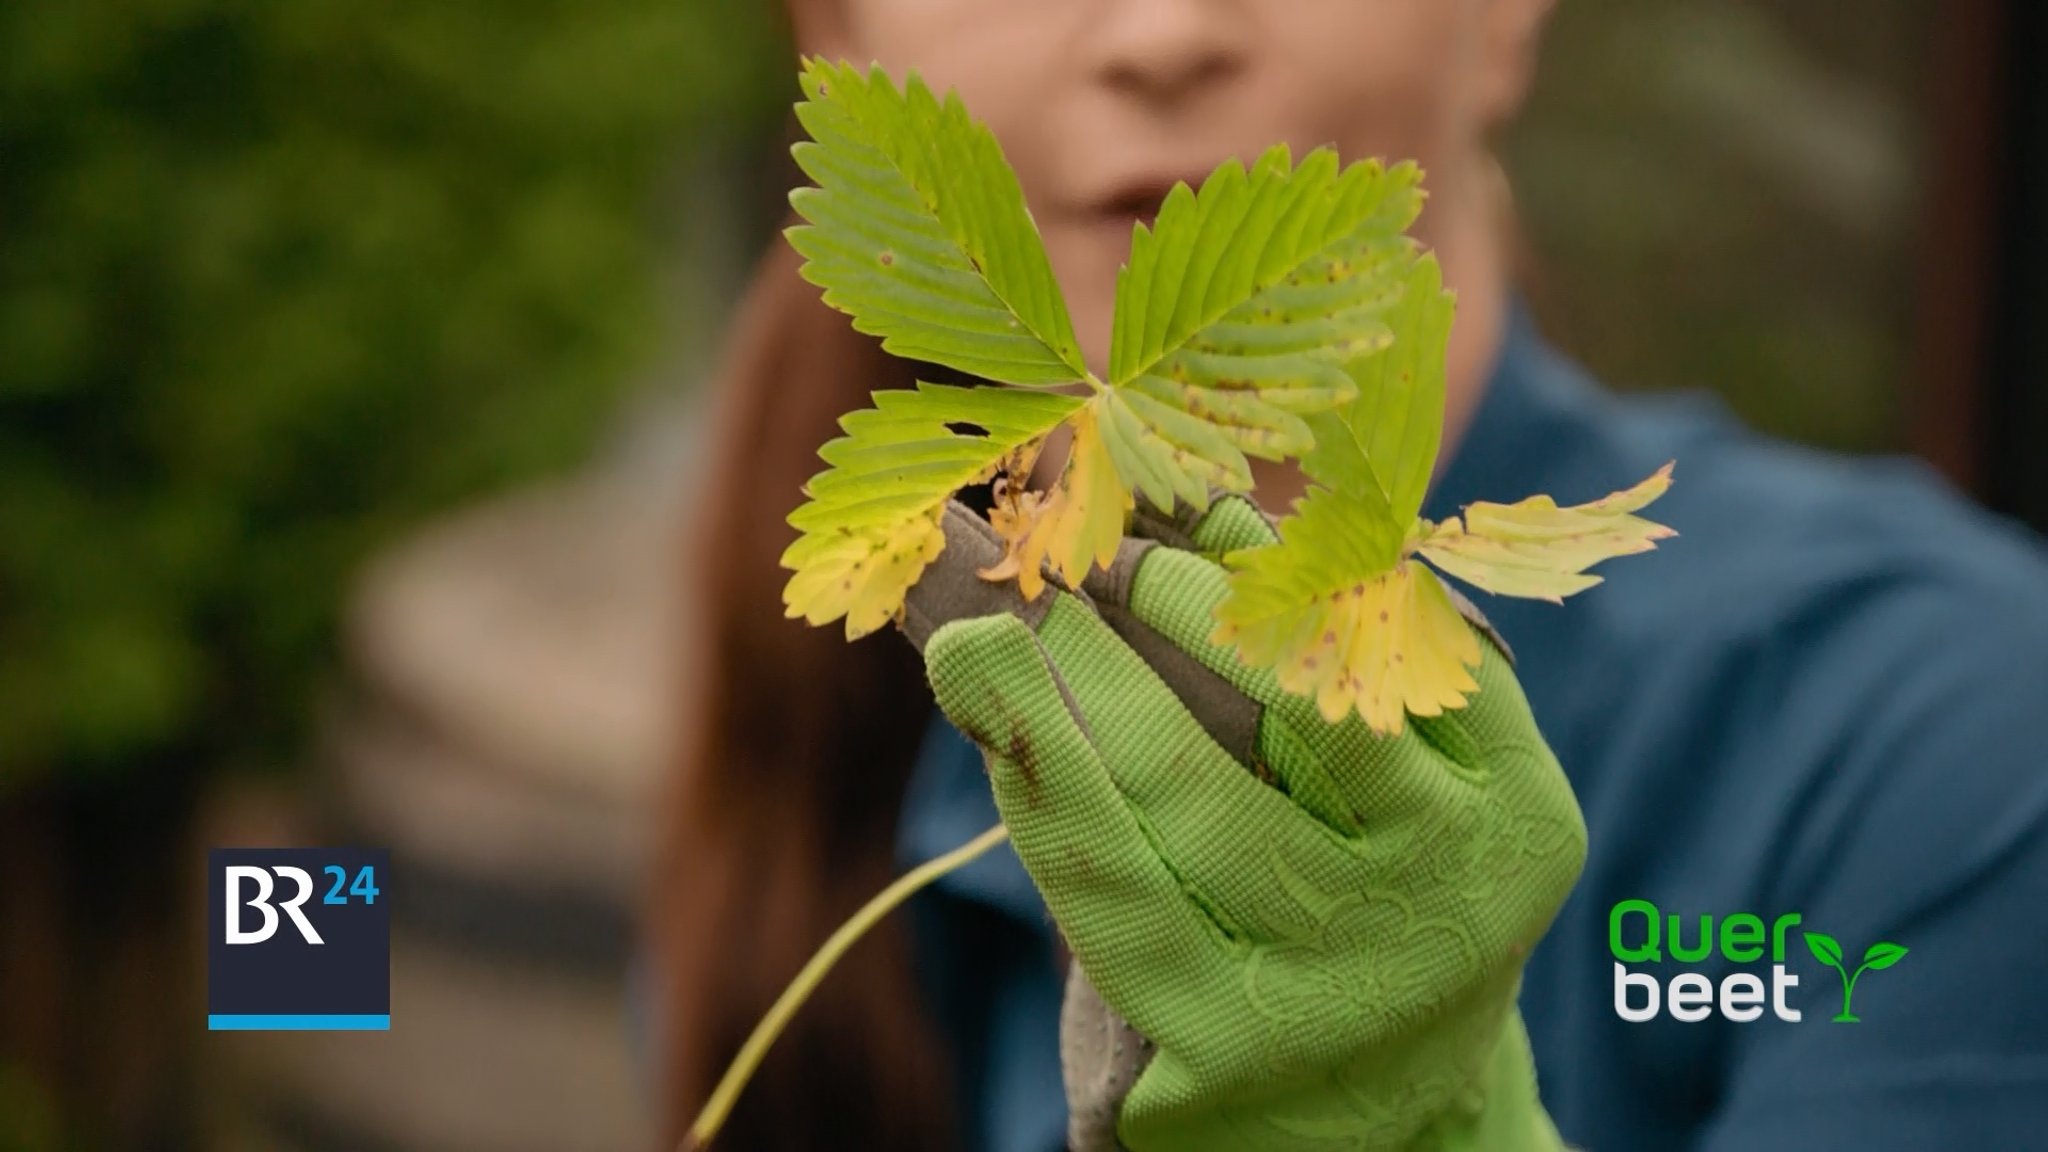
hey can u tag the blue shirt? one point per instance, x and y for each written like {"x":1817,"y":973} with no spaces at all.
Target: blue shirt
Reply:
{"x":1828,"y":695}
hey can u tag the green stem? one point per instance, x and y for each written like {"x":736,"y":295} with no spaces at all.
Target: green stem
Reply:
{"x":1848,"y":992}
{"x":743,"y":1066}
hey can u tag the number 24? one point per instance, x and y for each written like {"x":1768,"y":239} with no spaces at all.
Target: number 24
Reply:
{"x":365,"y":885}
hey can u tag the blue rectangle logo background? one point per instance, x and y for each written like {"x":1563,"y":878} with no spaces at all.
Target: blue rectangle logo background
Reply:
{"x":285,"y":981}
{"x":298,"y":1023}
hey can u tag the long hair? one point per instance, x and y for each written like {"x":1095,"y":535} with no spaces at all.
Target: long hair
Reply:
{"x":795,"y":750}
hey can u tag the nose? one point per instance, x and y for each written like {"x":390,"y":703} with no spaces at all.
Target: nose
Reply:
{"x":1166,"y":51}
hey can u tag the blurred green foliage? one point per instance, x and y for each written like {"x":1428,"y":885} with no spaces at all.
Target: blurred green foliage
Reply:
{"x":277,"y":277}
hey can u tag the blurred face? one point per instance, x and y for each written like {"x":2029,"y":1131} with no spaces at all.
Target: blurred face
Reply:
{"x":1102,"y":105}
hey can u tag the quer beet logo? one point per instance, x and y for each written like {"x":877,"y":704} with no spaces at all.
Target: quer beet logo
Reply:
{"x":1652,"y":951}
{"x":1878,"y":956}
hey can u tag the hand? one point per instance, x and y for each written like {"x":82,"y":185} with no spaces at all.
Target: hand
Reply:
{"x":1318,"y":931}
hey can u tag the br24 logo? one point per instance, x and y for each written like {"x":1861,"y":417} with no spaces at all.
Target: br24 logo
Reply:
{"x":330,"y":969}
{"x":364,"y":888}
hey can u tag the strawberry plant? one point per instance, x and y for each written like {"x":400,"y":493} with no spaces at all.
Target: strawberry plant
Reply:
{"x":1281,"y":311}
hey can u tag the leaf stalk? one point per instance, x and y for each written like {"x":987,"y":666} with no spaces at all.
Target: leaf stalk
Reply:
{"x":793,"y":998}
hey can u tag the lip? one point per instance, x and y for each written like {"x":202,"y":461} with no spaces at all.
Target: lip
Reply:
{"x":1136,"y":199}
{"x":1137,"y":202}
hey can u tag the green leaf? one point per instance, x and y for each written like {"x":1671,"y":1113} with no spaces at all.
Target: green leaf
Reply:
{"x":872,"y":522}
{"x":1824,"y":948}
{"x":1882,"y":955}
{"x":1384,"y":442}
{"x":917,"y":228}
{"x":1239,"y":310}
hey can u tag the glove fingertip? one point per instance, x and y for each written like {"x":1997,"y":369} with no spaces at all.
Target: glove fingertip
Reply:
{"x":1177,"y":592}
{"x":1234,"y":522}
{"x":970,"y":662}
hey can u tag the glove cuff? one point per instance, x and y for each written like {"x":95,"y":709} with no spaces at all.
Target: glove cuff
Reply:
{"x":1102,"y":1056}
{"x":1510,"y":1116}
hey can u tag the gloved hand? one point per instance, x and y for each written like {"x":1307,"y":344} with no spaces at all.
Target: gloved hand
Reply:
{"x":1316,"y":931}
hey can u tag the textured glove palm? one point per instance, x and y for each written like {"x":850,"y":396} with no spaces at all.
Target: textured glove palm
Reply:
{"x":1319,"y":931}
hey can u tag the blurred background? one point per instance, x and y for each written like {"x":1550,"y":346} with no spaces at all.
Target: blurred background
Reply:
{"x":349,"y":354}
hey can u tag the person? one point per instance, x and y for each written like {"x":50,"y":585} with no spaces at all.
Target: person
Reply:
{"x":1827,"y":697}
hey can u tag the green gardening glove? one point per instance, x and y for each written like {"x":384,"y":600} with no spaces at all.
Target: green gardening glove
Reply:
{"x":1316,"y":932}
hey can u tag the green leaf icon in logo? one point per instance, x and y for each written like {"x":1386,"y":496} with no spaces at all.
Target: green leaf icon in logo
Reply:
{"x":1829,"y":952}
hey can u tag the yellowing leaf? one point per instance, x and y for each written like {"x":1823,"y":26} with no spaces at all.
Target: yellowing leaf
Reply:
{"x":1082,"y":522}
{"x":1339,"y":618}
{"x":872,"y":523}
{"x":1337,"y":607}
{"x":1537,"y":550}
{"x":1405,"y":651}
{"x":865,"y":577}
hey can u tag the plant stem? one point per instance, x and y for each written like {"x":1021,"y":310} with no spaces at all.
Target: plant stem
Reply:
{"x":1848,"y":992}
{"x":743,"y":1066}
